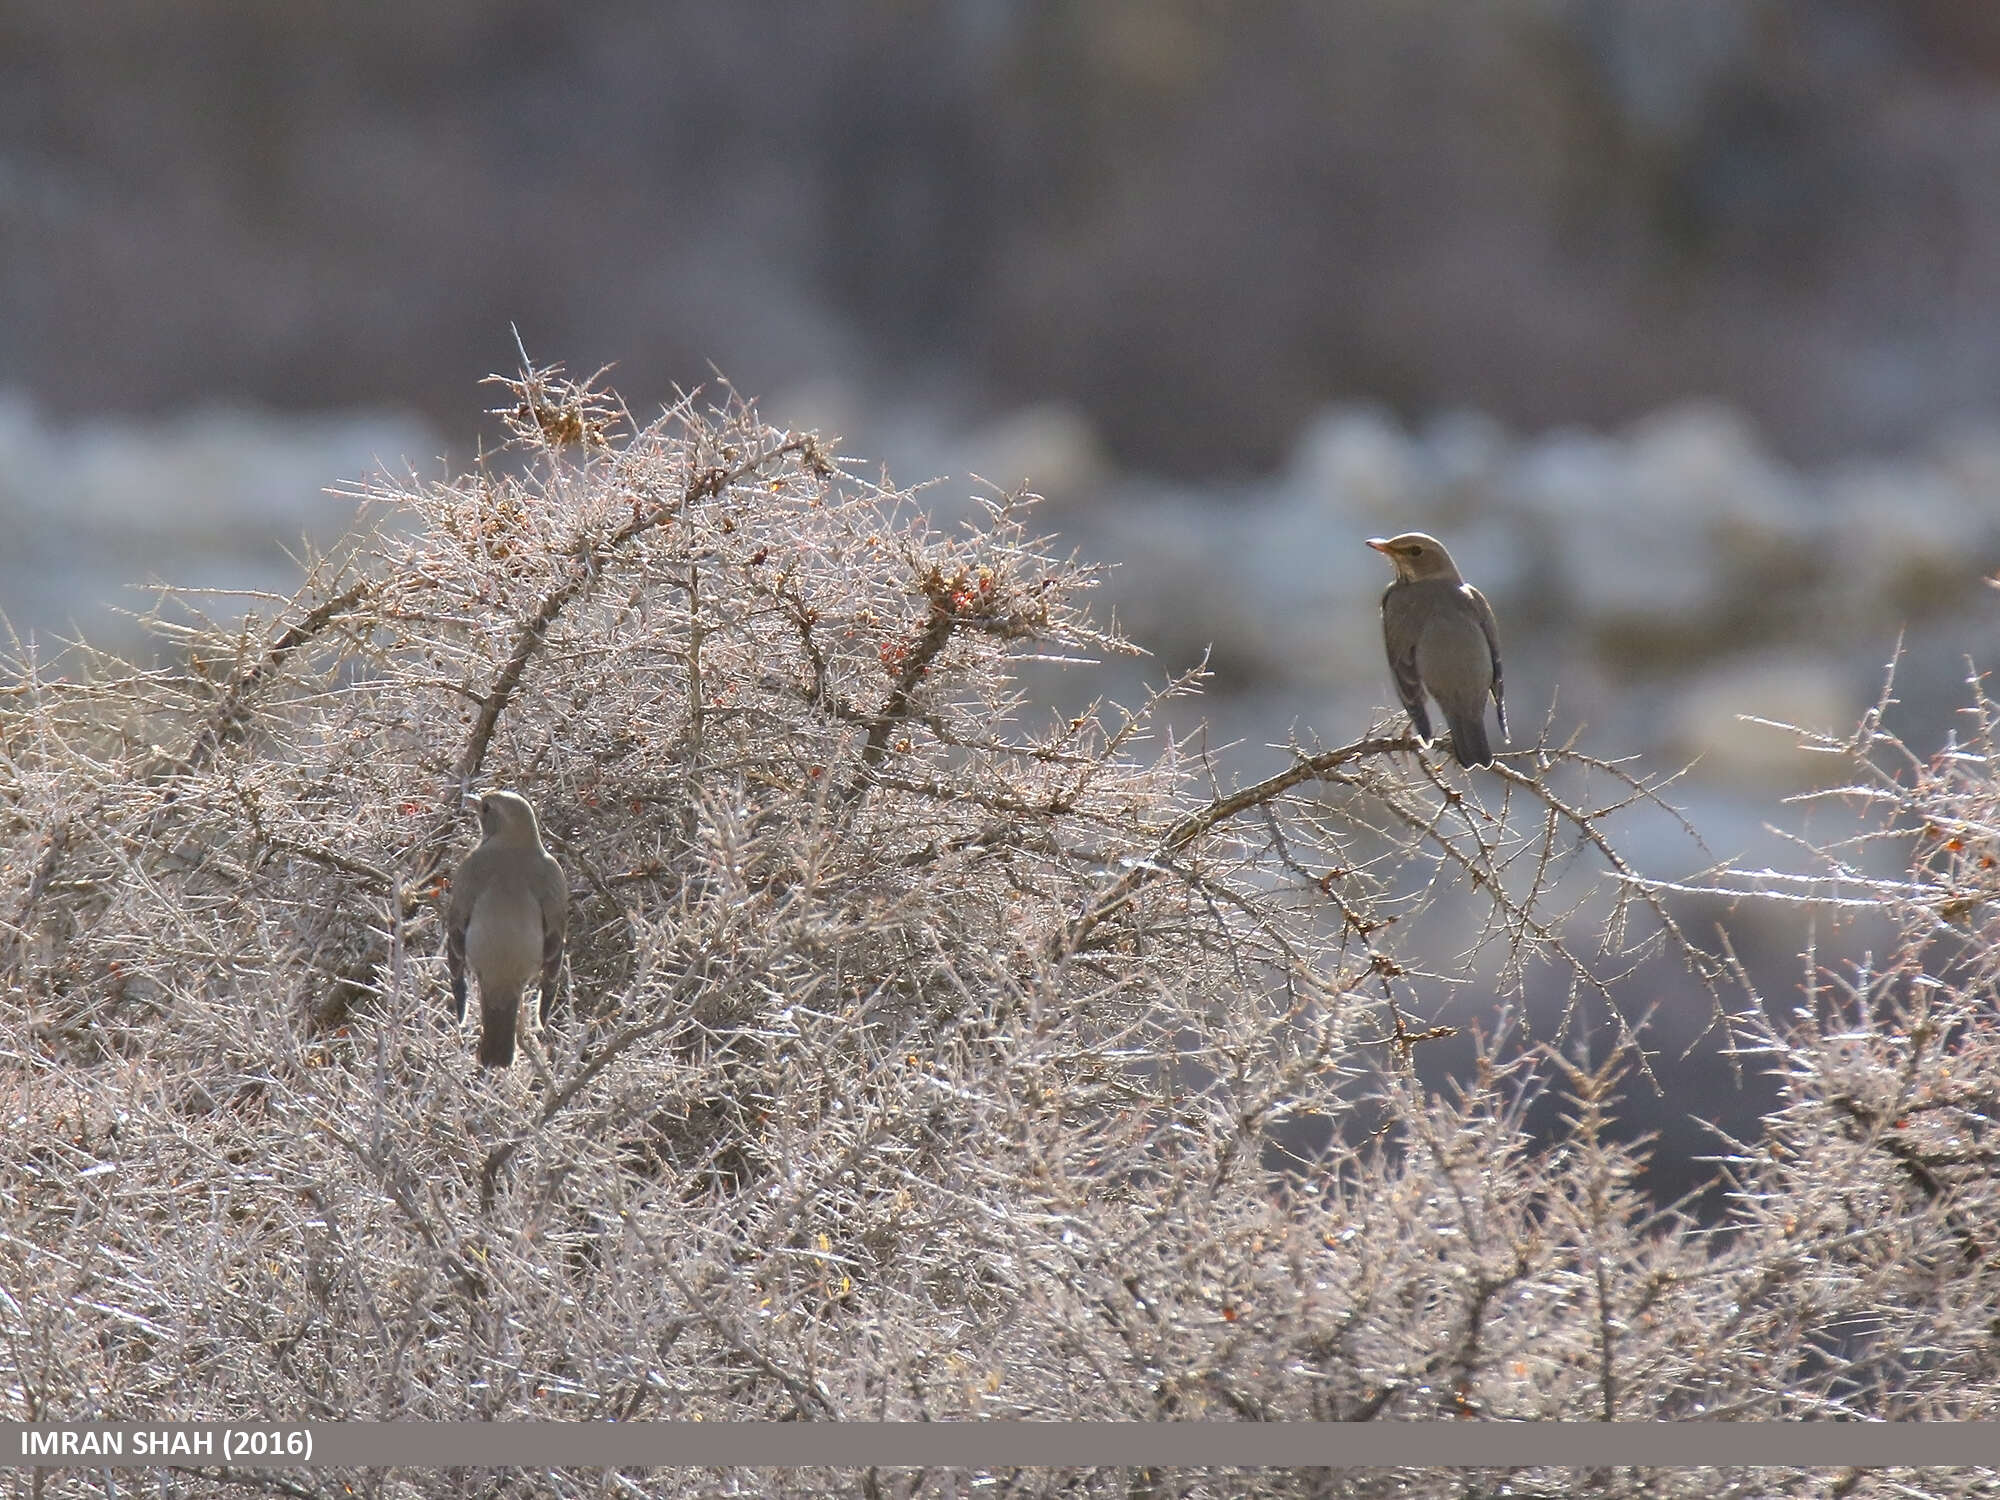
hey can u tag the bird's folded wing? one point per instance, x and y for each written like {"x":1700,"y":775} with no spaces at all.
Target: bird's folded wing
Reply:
{"x":1491,"y":627}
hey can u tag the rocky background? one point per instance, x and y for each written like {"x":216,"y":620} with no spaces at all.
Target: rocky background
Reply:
{"x":1680,"y":323}
{"x":1198,"y":223}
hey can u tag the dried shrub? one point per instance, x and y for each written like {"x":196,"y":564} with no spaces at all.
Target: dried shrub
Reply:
{"x":923,"y":1056}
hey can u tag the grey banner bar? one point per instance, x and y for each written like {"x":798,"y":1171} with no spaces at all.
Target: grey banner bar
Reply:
{"x":1003,"y":1445}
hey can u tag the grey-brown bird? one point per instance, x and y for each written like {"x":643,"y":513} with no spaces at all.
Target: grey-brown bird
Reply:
{"x":1442,"y":639}
{"x":509,"y":909}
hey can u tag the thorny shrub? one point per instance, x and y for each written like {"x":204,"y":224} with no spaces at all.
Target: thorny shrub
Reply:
{"x":921,"y":1057}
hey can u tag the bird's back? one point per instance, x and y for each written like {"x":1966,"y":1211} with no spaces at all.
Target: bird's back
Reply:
{"x":503,"y":942}
{"x":1453,"y":658}
{"x":505,"y":927}
{"x":1412,"y":608}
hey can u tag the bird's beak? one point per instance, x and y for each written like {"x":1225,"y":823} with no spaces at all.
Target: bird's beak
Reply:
{"x":1380,"y":544}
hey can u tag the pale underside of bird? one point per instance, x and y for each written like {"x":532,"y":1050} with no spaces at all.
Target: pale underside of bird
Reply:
{"x":509,"y":911}
{"x":1442,"y":641}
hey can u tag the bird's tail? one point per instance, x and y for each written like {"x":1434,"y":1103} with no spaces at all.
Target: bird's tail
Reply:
{"x":496,"y":1031}
{"x":1468,"y":740}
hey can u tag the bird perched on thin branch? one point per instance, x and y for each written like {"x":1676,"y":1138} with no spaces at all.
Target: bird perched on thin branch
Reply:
{"x":1442,"y":638}
{"x":509,"y":909}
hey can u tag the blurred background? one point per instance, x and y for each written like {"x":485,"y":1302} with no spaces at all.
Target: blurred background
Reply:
{"x":1679,"y":322}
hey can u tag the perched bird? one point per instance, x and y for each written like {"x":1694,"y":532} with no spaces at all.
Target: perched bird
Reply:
{"x":1441,"y":637}
{"x":509,"y":908}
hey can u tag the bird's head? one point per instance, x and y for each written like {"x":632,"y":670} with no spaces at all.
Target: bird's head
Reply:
{"x":508,"y":817}
{"x":1417,"y":556}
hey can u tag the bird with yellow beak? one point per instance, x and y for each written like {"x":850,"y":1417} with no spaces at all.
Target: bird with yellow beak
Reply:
{"x":1442,"y":639}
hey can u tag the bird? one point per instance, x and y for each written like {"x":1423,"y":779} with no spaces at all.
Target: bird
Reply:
{"x":509,"y":910}
{"x":1442,"y":638}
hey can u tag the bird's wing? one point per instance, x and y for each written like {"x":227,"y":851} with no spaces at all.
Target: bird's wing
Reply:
{"x":465,"y":887}
{"x":1402,"y":624}
{"x":1487,"y":623}
{"x":552,"y":894}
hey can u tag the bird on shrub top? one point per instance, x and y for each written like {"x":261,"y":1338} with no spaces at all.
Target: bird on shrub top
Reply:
{"x":1442,"y":639}
{"x":509,"y":909}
